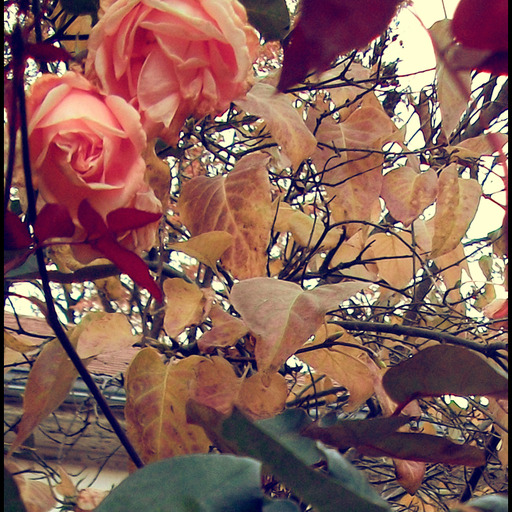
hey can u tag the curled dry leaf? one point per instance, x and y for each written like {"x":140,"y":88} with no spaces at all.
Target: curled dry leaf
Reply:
{"x":155,"y":407}
{"x":225,"y":332}
{"x":457,"y":203}
{"x":186,"y":304}
{"x":239,"y":204}
{"x":283,"y":120}
{"x":206,"y":248}
{"x":282,"y":316}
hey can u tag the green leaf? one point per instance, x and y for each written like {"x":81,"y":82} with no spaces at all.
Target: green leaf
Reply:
{"x":190,"y":483}
{"x":281,"y":506}
{"x":317,"y":488}
{"x":444,"y":370}
{"x":270,"y":17}
{"x":286,"y":429}
{"x":12,"y":498}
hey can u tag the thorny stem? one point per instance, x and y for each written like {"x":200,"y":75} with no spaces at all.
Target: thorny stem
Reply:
{"x":52,"y":317}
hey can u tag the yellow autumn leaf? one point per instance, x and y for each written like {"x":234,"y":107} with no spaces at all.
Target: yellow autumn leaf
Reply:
{"x":206,"y":248}
{"x":240,"y":204}
{"x":49,"y":382}
{"x":456,"y":206}
{"x":262,"y":396}
{"x":185,"y":305}
{"x":156,"y":395}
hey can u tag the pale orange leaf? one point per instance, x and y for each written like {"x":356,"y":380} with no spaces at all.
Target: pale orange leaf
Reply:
{"x":185,"y":305}
{"x":396,"y":267}
{"x":206,"y":248}
{"x":453,"y":87}
{"x":239,"y":204}
{"x":66,"y":487}
{"x":306,"y":230}
{"x":48,"y":384}
{"x":457,"y":202}
{"x":348,"y":366}
{"x":155,"y":407}
{"x":409,"y":474}
{"x":262,"y":396}
{"x":408,"y":193}
{"x":476,"y":147}
{"x":35,"y":495}
{"x":14,"y":343}
{"x":225,"y":332}
{"x":215,"y":384}
{"x":282,"y":316}
{"x":349,"y":251}
{"x":283,"y":121}
{"x":100,"y":333}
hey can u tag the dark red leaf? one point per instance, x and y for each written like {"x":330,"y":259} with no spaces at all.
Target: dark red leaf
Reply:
{"x":124,"y":219}
{"x":46,"y":52}
{"x":91,"y":220}
{"x":128,"y":262}
{"x":16,"y":235}
{"x":328,"y":28}
{"x":497,"y":64}
{"x":53,"y":221}
{"x":481,"y":24}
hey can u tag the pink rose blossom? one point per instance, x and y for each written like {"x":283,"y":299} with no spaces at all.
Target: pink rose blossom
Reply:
{"x":172,"y":58}
{"x":86,"y":145}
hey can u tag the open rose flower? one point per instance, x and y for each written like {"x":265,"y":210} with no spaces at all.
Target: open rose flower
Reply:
{"x":172,"y":58}
{"x":87,"y":145}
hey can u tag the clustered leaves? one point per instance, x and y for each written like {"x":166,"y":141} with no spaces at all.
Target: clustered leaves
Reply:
{"x":290,"y":246}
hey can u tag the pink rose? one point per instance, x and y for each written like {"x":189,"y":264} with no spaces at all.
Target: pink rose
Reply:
{"x":86,"y":145}
{"x":172,"y":58}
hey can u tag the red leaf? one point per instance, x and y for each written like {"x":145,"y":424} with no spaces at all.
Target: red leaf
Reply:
{"x":53,"y":221}
{"x":328,"y":28}
{"x":482,"y":25}
{"x":46,"y":52}
{"x":91,"y":220}
{"x":124,"y":219}
{"x":128,"y":262}
{"x":16,"y":235}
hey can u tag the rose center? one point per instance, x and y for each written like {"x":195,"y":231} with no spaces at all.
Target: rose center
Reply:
{"x":81,"y":151}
